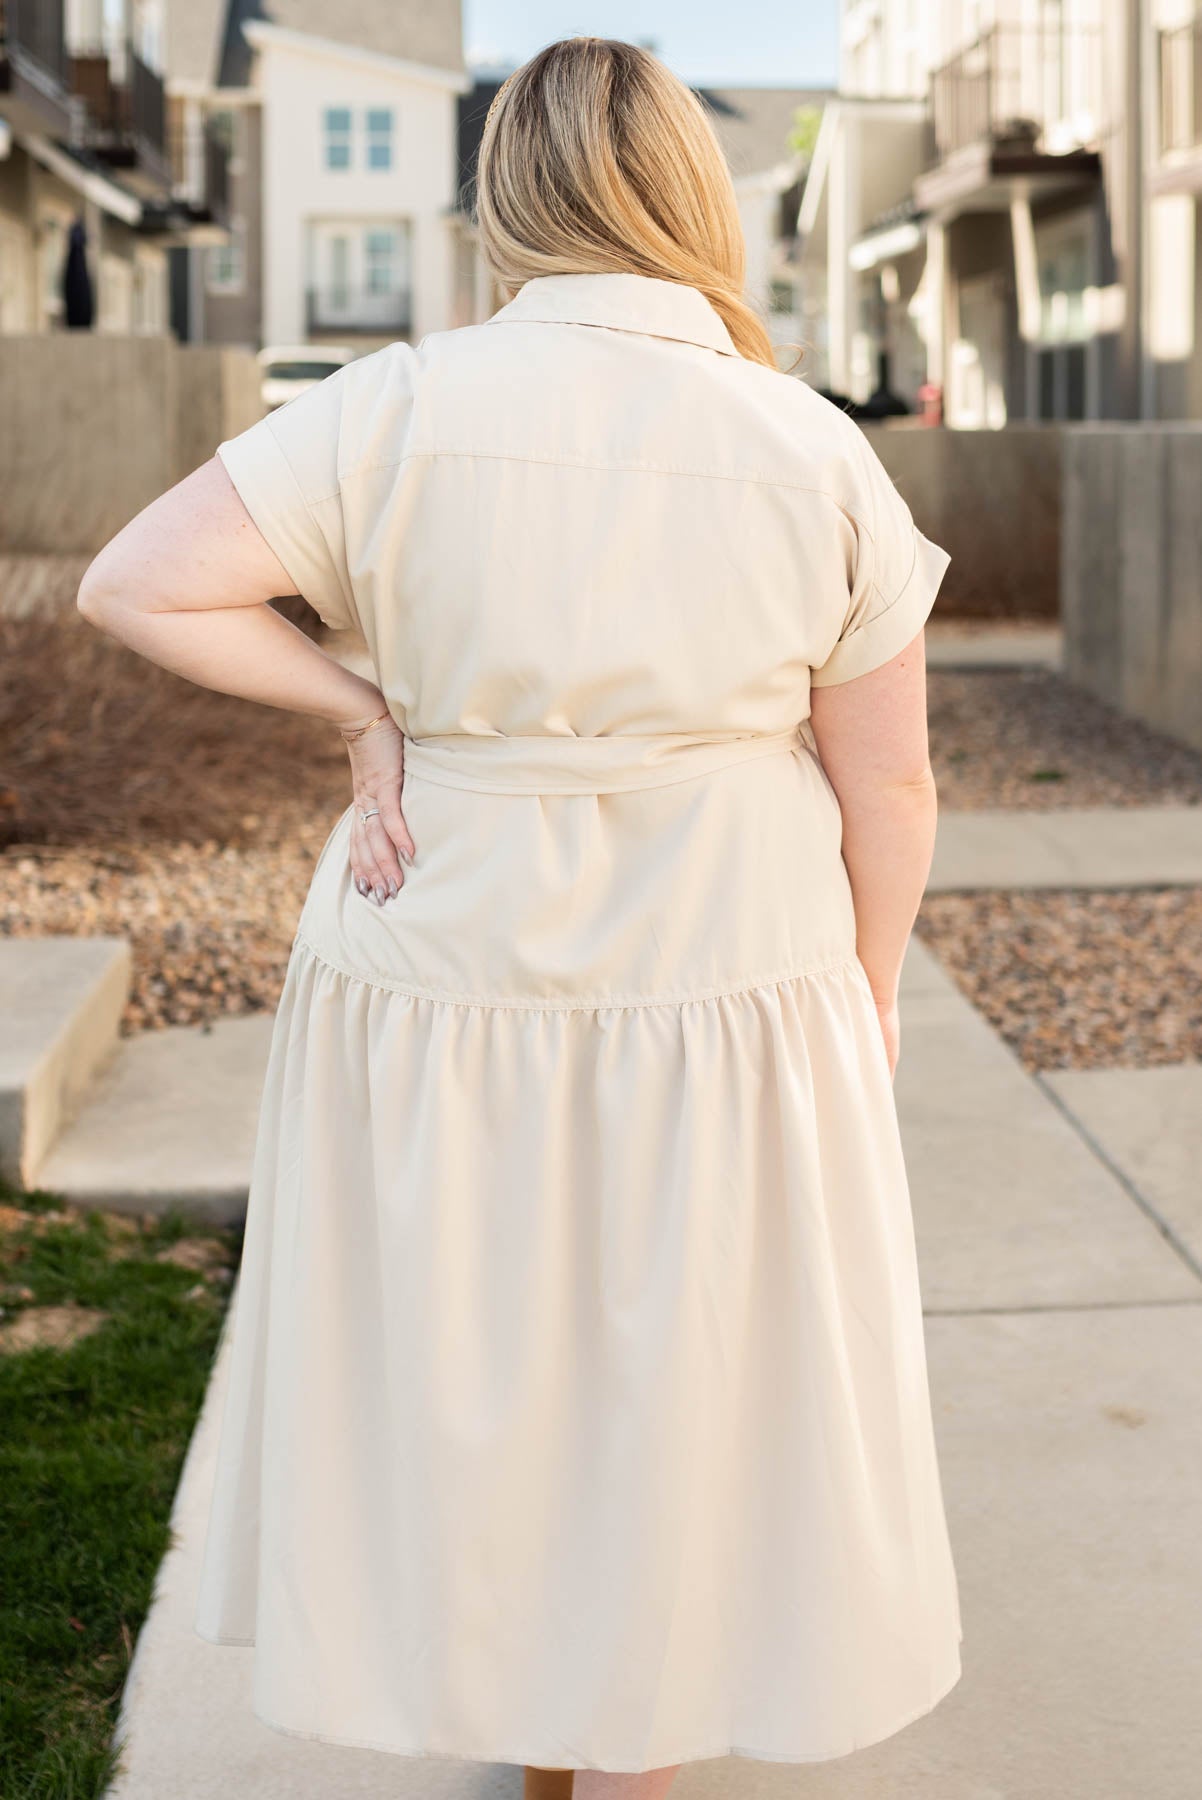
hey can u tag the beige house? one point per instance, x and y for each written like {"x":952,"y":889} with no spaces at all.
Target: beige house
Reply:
{"x":1003,"y":202}
{"x":341,"y":130}
{"x":1172,"y":152}
{"x":84,"y":142}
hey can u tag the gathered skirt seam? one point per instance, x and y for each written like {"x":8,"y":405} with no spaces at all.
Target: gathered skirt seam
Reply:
{"x":619,"y":1003}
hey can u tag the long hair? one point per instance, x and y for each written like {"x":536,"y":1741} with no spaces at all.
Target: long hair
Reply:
{"x":596,"y":158}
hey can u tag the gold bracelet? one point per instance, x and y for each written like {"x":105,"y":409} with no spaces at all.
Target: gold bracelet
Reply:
{"x":352,"y":737}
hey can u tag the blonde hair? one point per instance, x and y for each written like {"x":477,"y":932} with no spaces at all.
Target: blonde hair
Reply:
{"x":596,"y":158}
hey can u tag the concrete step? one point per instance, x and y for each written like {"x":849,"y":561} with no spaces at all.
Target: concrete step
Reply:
{"x":61,"y":1000}
{"x":170,"y":1123}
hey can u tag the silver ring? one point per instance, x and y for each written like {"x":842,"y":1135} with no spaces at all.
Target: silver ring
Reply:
{"x":365,"y":816}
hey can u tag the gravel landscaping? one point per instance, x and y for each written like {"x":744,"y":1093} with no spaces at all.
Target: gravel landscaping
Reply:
{"x":133,"y":804}
{"x":1077,"y":979}
{"x":137,"y":805}
{"x":1028,"y":738}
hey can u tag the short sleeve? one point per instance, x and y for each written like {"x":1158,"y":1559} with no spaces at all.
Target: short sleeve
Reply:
{"x":896,"y":576}
{"x":285,"y":470}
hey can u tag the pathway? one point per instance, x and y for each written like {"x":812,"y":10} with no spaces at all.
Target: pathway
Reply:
{"x":1059,"y":1223}
{"x":1064,"y":1332}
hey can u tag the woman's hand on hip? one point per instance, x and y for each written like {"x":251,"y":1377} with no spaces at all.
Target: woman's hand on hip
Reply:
{"x":380,"y":841}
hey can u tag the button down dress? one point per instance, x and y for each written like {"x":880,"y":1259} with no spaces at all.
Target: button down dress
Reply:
{"x":578,"y":1409}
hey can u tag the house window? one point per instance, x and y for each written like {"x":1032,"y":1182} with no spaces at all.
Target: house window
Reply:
{"x":379,"y":137}
{"x":1062,"y":356}
{"x":359,"y":276}
{"x":340,"y":272}
{"x":225,"y":264}
{"x":338,"y":137}
{"x":380,"y":258}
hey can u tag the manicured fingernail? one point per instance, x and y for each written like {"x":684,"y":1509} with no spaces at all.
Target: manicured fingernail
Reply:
{"x":406,"y":854}
{"x":361,"y":884}
{"x":381,"y":896}
{"x":393,"y":889}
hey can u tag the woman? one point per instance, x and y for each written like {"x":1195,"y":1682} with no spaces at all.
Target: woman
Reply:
{"x":578,"y":1411}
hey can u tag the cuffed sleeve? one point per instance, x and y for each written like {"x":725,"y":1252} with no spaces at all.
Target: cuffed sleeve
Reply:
{"x":285,"y":471}
{"x":894,"y":582}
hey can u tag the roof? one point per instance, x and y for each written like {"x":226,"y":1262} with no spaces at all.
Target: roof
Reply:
{"x":754,"y":123}
{"x":195,"y":29}
{"x":473,"y":110}
{"x":417,"y":31}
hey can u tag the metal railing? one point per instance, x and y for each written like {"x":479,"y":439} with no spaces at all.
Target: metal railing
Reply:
{"x":147,"y":103}
{"x":200,"y":161}
{"x":35,"y":28}
{"x":1036,"y":86}
{"x":123,"y":114}
{"x":358,"y":311}
{"x":1181,"y":88}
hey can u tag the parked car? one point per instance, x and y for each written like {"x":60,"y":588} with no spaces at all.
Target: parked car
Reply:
{"x":288,"y":369}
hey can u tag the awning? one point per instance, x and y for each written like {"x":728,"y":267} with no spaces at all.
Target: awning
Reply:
{"x":86,"y":181}
{"x":885,"y":243}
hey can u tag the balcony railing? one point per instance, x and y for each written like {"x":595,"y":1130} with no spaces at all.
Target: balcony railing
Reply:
{"x":34,"y":29}
{"x":359,"y":311}
{"x":127,"y":115}
{"x":1037,"y":87}
{"x":1181,"y":88}
{"x":200,"y":164}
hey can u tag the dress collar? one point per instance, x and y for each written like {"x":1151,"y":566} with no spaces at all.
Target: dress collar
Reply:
{"x":622,"y":302}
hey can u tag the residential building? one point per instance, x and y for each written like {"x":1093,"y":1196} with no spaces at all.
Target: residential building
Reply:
{"x":764,"y":132}
{"x":341,"y":127}
{"x":1172,"y":148}
{"x":84,"y":160}
{"x":976,"y":214}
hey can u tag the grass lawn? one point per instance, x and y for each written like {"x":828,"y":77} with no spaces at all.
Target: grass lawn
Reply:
{"x":108,"y":1327}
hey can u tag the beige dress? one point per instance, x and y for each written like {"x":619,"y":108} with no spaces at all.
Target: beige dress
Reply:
{"x":578,"y":1410}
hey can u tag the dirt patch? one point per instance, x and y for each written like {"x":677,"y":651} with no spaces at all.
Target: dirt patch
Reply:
{"x":206,"y":1256}
{"x":99,"y":747}
{"x":49,"y":1327}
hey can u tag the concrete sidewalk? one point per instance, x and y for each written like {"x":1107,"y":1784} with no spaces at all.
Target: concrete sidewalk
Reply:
{"x":1064,"y":1335}
{"x":1094,"y":847}
{"x":952,"y":644}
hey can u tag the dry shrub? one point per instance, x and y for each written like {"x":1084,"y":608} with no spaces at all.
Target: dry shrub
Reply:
{"x":100,"y":747}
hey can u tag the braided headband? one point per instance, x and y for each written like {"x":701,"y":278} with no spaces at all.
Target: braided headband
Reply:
{"x":496,"y":97}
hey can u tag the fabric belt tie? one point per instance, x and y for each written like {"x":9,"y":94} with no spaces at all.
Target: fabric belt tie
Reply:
{"x":544,"y":764}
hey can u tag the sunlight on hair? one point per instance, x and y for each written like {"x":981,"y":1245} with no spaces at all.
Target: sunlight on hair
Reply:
{"x":596,"y":158}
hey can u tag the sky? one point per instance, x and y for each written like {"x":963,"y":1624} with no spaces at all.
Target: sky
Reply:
{"x":774,"y":43}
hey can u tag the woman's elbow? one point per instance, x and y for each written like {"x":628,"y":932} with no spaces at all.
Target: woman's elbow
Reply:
{"x":98,"y":596}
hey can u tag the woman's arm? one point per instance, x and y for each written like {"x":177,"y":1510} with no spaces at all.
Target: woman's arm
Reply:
{"x":871,"y":734}
{"x":186,"y":584}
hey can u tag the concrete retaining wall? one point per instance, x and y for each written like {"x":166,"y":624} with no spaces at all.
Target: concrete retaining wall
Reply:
{"x":93,"y":428}
{"x":992,"y":499}
{"x":1131,"y":579}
